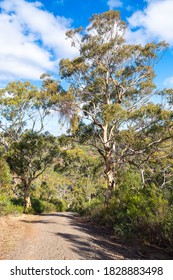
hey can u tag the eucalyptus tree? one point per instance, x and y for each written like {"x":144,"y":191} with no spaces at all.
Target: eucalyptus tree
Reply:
{"x":29,"y":157}
{"x":109,"y":98}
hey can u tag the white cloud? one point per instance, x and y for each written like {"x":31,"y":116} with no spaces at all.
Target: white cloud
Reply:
{"x":168,"y":82}
{"x":32,"y":40}
{"x":138,"y":37}
{"x":154,"y":23}
{"x":114,"y":4}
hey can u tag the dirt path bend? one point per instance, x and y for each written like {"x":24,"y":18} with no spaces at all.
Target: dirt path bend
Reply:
{"x":59,"y":236}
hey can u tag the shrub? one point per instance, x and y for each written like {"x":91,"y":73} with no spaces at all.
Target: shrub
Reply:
{"x":36,"y":206}
{"x":98,"y":213}
{"x":47,"y":207}
{"x":91,"y":207}
{"x":17,"y":201}
{"x":40,"y":206}
{"x":78,"y":203}
{"x":142,"y":214}
{"x":30,"y":211}
{"x":61,"y":205}
{"x":7,"y":207}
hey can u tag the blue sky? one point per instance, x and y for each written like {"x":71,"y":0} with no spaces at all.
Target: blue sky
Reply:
{"x":32,"y":33}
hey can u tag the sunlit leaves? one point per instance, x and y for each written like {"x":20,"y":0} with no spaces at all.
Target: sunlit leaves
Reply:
{"x":31,"y":155}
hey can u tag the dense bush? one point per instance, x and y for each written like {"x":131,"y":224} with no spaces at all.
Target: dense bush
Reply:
{"x":142,"y":213}
{"x":40,"y":206}
{"x":7,"y":207}
{"x":47,"y":207}
{"x":61,"y":205}
{"x":17,"y":201}
{"x":90,"y":207}
{"x":78,"y":199}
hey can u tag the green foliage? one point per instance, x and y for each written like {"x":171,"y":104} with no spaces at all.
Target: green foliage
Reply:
{"x":7,"y":207}
{"x":78,"y":201}
{"x":17,"y":109}
{"x":61,"y":205}
{"x":32,"y":154}
{"x":47,"y":189}
{"x":80,"y":171}
{"x":93,"y":208}
{"x":168,"y":230}
{"x":17,"y":201}
{"x":39,"y":206}
{"x":30,"y":210}
{"x":30,"y":157}
{"x":47,"y":207}
{"x":142,"y":213}
{"x":5,"y":176}
{"x":129,"y":177}
{"x":126,"y":139}
{"x":138,"y":211}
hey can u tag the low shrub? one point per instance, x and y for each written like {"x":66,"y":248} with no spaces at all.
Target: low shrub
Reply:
{"x":17,"y":201}
{"x":36,"y":206}
{"x":47,"y":207}
{"x":61,"y":205}
{"x":7,"y":207}
{"x":30,"y":211}
{"x":92,"y":208}
{"x":141,"y":213}
{"x":40,"y":206}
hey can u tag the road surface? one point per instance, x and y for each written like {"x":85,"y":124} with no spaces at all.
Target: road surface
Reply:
{"x":61,"y":236}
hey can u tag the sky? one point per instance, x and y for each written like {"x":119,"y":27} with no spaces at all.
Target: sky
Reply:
{"x":32,"y":33}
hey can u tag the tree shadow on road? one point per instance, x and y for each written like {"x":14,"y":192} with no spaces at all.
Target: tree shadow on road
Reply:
{"x":90,"y":249}
{"x":103,"y":244}
{"x":97,"y":244}
{"x":38,"y":222}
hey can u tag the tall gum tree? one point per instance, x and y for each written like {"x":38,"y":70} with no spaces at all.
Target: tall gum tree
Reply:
{"x":111,"y":83}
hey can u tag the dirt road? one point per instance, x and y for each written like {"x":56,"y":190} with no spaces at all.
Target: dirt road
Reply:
{"x":59,"y":236}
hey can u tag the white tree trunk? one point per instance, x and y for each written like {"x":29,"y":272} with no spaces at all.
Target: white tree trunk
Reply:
{"x":110,"y":186}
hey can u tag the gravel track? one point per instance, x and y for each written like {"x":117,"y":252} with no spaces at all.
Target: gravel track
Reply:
{"x":61,"y":236}
{"x":58,"y":237}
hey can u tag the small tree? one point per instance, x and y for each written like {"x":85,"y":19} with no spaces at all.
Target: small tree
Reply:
{"x":29,"y":158}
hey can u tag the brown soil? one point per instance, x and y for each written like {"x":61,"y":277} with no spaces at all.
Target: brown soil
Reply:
{"x":64,"y":236}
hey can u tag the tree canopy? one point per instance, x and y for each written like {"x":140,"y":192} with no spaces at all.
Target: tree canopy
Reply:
{"x":29,"y":158}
